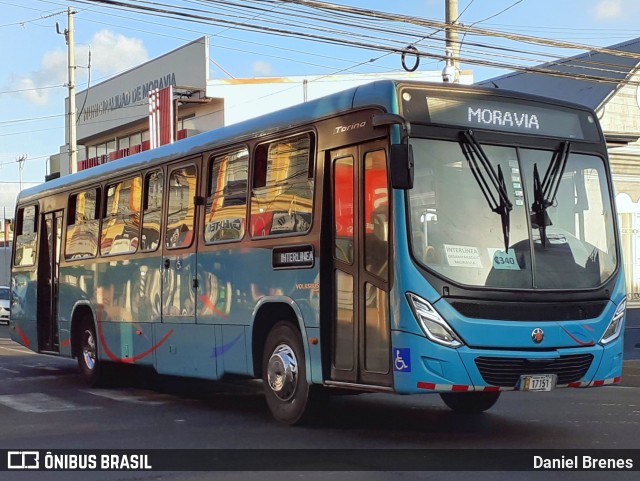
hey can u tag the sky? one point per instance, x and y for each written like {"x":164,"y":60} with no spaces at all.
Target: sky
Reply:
{"x":33,"y":55}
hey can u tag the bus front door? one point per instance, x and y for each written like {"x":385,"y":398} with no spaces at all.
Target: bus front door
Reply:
{"x":179,"y":250}
{"x":360,"y":351}
{"x":48,"y":281}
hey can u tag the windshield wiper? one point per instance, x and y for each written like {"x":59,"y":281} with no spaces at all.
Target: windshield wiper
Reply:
{"x":491,"y":184}
{"x":544,"y":193}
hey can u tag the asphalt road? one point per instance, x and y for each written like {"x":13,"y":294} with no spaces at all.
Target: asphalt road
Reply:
{"x":44,"y":405}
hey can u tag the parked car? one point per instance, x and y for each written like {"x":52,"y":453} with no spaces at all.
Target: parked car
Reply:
{"x":5,"y":304}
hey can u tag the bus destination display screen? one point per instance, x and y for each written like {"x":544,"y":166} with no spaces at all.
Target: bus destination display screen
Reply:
{"x":500,"y":114}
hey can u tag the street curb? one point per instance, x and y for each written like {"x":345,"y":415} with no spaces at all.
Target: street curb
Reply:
{"x":631,"y":373}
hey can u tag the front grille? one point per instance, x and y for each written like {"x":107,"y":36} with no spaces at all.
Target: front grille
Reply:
{"x":529,"y":311}
{"x":505,"y":372}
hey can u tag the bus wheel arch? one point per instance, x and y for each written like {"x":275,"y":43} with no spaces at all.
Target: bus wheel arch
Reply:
{"x":286,"y":388}
{"x":266,"y":317}
{"x":84,"y":345}
{"x":81,"y":314}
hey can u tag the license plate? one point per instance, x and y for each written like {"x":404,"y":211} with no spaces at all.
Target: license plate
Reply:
{"x":538,"y":382}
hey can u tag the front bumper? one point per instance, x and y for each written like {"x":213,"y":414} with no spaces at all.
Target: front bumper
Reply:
{"x":434,"y":368}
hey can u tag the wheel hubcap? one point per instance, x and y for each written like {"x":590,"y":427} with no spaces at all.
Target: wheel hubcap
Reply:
{"x":89,"y":350}
{"x":282,"y":372}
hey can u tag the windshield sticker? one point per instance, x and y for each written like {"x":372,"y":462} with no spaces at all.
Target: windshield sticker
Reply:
{"x":463,"y":256}
{"x":504,"y":260}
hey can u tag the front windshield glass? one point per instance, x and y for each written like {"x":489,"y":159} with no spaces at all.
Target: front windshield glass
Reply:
{"x":455,"y":233}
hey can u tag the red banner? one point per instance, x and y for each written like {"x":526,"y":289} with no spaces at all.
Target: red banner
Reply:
{"x":161,"y":117}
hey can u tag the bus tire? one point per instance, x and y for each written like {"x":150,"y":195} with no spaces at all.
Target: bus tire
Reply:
{"x":90,"y":366}
{"x":470,"y":402}
{"x":284,"y":375}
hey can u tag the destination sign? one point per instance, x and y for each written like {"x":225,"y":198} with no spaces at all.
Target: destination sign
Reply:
{"x":501,"y":114}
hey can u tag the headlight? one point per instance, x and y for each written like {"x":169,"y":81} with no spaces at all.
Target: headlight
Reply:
{"x":615,"y":326}
{"x":433,"y":325}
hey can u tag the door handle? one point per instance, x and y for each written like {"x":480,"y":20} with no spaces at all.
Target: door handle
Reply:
{"x":167,"y":263}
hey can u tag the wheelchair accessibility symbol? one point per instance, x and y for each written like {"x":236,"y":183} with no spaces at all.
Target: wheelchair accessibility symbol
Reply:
{"x":402,"y":359}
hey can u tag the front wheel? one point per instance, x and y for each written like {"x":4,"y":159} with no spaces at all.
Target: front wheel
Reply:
{"x":284,"y":375}
{"x":90,"y":367}
{"x":470,"y":402}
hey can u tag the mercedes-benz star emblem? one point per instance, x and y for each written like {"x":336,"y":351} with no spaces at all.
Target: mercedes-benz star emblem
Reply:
{"x":537,"y":335}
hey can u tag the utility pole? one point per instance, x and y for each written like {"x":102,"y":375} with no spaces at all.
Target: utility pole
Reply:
{"x":453,"y":46}
{"x":68,"y":36}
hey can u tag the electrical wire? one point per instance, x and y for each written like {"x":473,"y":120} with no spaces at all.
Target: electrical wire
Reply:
{"x":377,"y":22}
{"x":148,"y":9}
{"x":88,"y":87}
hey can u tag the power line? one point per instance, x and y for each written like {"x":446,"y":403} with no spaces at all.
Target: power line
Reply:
{"x":154,"y":8}
{"x":31,"y":119}
{"x":22,"y":23}
{"x":391,"y":48}
{"x":31,"y":89}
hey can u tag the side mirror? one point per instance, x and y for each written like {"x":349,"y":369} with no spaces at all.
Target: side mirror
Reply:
{"x":401,"y":165}
{"x":401,"y":155}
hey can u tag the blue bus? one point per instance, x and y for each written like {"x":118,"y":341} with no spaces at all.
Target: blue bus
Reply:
{"x":396,"y":237}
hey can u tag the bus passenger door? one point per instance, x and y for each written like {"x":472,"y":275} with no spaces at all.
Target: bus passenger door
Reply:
{"x":48,"y":281}
{"x":361,"y":332}
{"x":179,"y":263}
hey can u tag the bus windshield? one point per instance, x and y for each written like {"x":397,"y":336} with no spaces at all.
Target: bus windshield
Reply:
{"x":565,"y":240}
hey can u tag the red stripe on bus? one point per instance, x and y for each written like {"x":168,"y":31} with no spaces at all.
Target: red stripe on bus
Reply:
{"x":23,"y":337}
{"x":151,"y":349}
{"x":207,"y":302}
{"x":578,"y":341}
{"x":66,"y":343}
{"x":598,"y":383}
{"x":115,"y":358}
{"x":459,"y":388}
{"x":617,"y":379}
{"x":426,"y":385}
{"x":491,"y":388}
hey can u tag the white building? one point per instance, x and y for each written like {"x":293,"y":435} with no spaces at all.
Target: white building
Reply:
{"x":113,"y":118}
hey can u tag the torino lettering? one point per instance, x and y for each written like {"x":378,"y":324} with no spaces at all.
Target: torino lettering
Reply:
{"x":501,"y":118}
{"x":346,"y":128}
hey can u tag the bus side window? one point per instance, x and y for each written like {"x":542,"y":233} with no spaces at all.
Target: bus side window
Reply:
{"x":181,"y":209}
{"x":153,"y":189}
{"x":282,"y":193}
{"x":121,"y":219}
{"x":227,"y":197}
{"x":26,"y":236}
{"x":82,"y":225}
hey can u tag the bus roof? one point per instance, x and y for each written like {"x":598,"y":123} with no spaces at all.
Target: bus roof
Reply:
{"x":381,"y":93}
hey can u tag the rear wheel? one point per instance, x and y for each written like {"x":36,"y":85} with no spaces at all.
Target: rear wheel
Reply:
{"x":284,"y":375}
{"x":470,"y":402}
{"x":90,"y":367}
